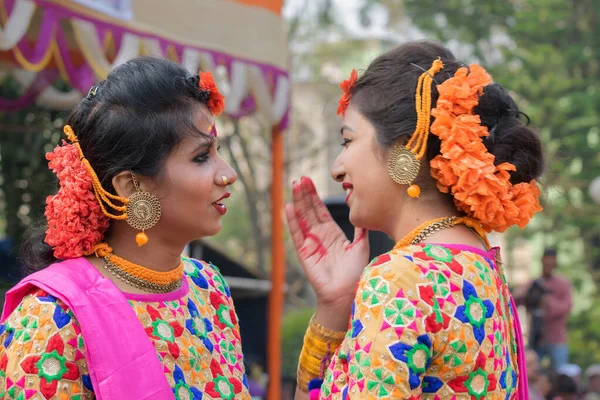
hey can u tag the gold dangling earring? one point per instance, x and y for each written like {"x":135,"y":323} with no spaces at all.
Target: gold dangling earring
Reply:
{"x":143,"y":212}
{"x":403,"y":167}
{"x":405,"y":161}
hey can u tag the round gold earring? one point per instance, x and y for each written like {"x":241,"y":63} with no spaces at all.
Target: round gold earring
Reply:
{"x":143,"y":212}
{"x":403,"y":167}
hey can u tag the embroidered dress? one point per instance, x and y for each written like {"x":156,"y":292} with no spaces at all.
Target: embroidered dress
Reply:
{"x":429,"y":322}
{"x":194,"y":330}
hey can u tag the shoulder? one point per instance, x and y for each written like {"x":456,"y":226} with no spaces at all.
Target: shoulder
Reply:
{"x":419,"y":264}
{"x":205,"y":275}
{"x":38,"y":314}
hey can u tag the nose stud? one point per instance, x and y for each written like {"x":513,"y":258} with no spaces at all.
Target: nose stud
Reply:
{"x":224,"y":180}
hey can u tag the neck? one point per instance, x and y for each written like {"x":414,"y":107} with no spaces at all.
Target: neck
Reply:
{"x":157,"y":254}
{"x":418,"y":212}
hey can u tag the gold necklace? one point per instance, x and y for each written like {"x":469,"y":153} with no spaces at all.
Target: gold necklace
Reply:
{"x":140,"y":283}
{"x":137,"y":275}
{"x":428,"y":228}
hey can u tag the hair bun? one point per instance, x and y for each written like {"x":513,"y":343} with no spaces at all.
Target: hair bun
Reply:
{"x":509,"y":140}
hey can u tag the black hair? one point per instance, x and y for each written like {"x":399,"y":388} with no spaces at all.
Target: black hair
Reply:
{"x":129,"y":122}
{"x":385,"y":95}
{"x":549,"y":252}
{"x":564,"y":384}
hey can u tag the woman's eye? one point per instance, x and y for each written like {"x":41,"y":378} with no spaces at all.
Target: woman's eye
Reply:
{"x":345,"y":142}
{"x":201,"y":158}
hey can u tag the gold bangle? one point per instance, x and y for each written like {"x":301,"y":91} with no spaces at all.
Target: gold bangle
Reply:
{"x":319,"y":344}
{"x":325,"y":333}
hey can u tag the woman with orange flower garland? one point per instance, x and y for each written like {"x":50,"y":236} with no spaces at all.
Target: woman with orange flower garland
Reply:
{"x":114,"y":311}
{"x":435,"y":155}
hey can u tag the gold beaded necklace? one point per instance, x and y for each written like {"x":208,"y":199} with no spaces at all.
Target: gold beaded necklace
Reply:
{"x":428,"y":228}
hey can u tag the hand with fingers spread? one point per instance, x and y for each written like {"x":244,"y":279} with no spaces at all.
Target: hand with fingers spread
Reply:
{"x":331,"y":262}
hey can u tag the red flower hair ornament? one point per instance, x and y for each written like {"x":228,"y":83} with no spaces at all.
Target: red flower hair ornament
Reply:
{"x":216,"y":101}
{"x":75,"y":220}
{"x":347,"y":87}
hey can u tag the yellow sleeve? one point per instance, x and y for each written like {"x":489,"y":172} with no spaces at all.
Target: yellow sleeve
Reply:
{"x":42,"y":352}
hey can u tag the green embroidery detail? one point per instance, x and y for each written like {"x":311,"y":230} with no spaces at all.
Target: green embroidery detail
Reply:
{"x":182,"y":391}
{"x":440,"y":283}
{"x":418,"y":357}
{"x":22,"y":335}
{"x":363,"y":363}
{"x":12,"y":391}
{"x":374,"y":291}
{"x":21,"y":396}
{"x":224,"y":388}
{"x":483,"y":273}
{"x":475,"y":311}
{"x":498,"y":344}
{"x":478,"y":384}
{"x":438,"y":253}
{"x":198,"y":328}
{"x":458,"y":348}
{"x":224,"y":317}
{"x":437,"y":311}
{"x":163,"y":330}
{"x":399,"y":312}
{"x":228,"y":352}
{"x":80,"y":343}
{"x":49,"y":363}
{"x":219,"y":282}
{"x":380,"y":383}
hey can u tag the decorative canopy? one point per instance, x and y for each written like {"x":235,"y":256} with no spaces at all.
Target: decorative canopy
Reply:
{"x":243,"y":42}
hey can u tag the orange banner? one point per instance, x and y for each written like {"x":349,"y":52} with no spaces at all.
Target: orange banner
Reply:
{"x":271,"y":5}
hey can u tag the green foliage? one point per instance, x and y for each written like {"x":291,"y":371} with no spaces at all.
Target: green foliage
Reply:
{"x":584,"y":329}
{"x":25,"y":179}
{"x":294,"y":327}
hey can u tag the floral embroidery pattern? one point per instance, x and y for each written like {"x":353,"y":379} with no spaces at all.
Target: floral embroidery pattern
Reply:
{"x":441,"y":333}
{"x":201,"y":355}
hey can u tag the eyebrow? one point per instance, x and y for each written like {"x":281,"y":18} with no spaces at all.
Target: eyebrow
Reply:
{"x":203,"y":146}
{"x":346,"y":127}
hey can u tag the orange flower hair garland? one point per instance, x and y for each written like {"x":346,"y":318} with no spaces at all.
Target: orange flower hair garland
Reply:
{"x":216,"y":101}
{"x":465,"y":168}
{"x":347,"y":87}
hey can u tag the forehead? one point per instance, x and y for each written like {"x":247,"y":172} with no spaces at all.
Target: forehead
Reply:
{"x":357,"y":122}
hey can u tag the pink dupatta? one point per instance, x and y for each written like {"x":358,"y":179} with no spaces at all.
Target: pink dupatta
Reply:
{"x":122,"y":361}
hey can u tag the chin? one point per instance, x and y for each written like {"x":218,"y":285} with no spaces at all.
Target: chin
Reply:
{"x":213,"y":229}
{"x":360,"y":220}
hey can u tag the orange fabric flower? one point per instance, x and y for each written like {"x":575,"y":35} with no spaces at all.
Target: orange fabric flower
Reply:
{"x":216,"y":101}
{"x":347,"y":87}
{"x":466,"y":169}
{"x":75,"y":220}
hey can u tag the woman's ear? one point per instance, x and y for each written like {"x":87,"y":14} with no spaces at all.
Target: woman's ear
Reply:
{"x":123,"y":184}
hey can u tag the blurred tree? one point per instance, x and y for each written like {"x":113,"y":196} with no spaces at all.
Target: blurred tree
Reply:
{"x":25,"y":180}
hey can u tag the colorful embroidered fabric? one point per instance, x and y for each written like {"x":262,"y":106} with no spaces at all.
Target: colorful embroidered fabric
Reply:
{"x":428,"y":322}
{"x":194,"y":330}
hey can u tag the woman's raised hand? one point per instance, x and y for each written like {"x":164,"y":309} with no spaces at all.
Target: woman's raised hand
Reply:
{"x":331,"y":262}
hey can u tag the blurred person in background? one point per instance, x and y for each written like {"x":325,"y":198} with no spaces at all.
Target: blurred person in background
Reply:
{"x":533,"y":376}
{"x":592,"y":375}
{"x":548,"y":300}
{"x":434,"y":154}
{"x":565,"y":388}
